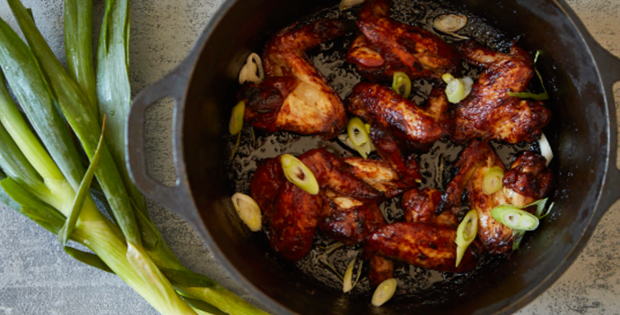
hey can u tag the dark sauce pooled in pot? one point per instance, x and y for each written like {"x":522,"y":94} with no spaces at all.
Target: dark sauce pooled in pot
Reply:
{"x":436,"y":166}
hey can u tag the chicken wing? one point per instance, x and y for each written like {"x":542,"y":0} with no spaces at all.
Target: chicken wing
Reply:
{"x":489,"y":112}
{"x":295,"y":96}
{"x":473,"y":164}
{"x":392,"y":46}
{"x":423,"y":245}
{"x":383,"y":107}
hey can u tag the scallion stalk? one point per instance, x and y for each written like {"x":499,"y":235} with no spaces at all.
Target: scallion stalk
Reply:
{"x":78,"y":27}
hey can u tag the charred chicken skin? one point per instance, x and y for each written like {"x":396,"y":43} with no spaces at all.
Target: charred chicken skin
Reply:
{"x":419,"y":244}
{"x":417,"y":126}
{"x":489,"y":112}
{"x":528,"y":171}
{"x":421,"y":206}
{"x":389,"y":46}
{"x":294,"y":96}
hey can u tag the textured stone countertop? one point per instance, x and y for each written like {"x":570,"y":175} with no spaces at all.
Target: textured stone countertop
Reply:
{"x":37,"y":277}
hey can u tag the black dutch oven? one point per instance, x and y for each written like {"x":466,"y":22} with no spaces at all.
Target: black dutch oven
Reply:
{"x":583,"y":136}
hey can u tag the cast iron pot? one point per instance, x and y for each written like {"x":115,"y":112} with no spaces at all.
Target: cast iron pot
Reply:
{"x":583,"y":137}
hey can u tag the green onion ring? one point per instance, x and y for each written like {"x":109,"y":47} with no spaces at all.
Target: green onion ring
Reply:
{"x":299,"y":174}
{"x":358,"y":134}
{"x":384,"y":292}
{"x":236,"y":118}
{"x":515,"y":218}
{"x":465,"y":234}
{"x":492,"y":181}
{"x":401,"y":84}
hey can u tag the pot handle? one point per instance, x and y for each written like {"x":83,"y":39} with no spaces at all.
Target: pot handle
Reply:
{"x":176,"y":198}
{"x":610,"y":74}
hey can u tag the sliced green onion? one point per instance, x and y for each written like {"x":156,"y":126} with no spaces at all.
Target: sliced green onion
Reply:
{"x":323,"y":258}
{"x":492,"y":181}
{"x":252,"y":71}
{"x":299,"y":174}
{"x":347,"y":281}
{"x":537,"y":97}
{"x":359,"y":136}
{"x":253,"y":137}
{"x":545,"y":148}
{"x":457,"y":89}
{"x":515,"y":218}
{"x":248,"y":211}
{"x":517,"y":236}
{"x":367,"y":148}
{"x":466,"y":233}
{"x":236,"y":118}
{"x":401,"y":84}
{"x":384,"y":292}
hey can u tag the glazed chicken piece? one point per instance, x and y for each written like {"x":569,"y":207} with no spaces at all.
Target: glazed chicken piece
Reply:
{"x":265,"y":185}
{"x":393,"y":151}
{"x":334,"y":174}
{"x":419,"y":244}
{"x":380,"y":175}
{"x":389,"y":46}
{"x":489,"y":113}
{"x":418,"y":127}
{"x":294,"y":96}
{"x":421,"y":206}
{"x":348,"y":220}
{"x":293,"y":221}
{"x":527,"y":173}
{"x":369,"y":62}
{"x":528,"y":179}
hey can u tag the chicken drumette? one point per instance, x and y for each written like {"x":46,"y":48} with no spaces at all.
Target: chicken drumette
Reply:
{"x":527,"y":181}
{"x":294,"y":96}
{"x":489,"y":112}
{"x":387,"y":46}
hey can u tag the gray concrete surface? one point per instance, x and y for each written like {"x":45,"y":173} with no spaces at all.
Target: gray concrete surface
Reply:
{"x":36,"y":277}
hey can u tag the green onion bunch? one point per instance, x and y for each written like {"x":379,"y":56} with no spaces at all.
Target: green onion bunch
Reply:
{"x":62,"y":128}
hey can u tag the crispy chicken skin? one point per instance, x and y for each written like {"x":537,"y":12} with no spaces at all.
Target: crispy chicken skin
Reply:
{"x":333,"y":173}
{"x":369,"y":62}
{"x":265,"y":185}
{"x":294,"y":221}
{"x":528,"y":179}
{"x":348,"y":220}
{"x":423,"y":245}
{"x":421,"y":206}
{"x":489,"y":113}
{"x":392,"y":150}
{"x":392,"y":46}
{"x":295,"y":96}
{"x":381,"y":106}
{"x":379,"y":175}
{"x":527,"y":172}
